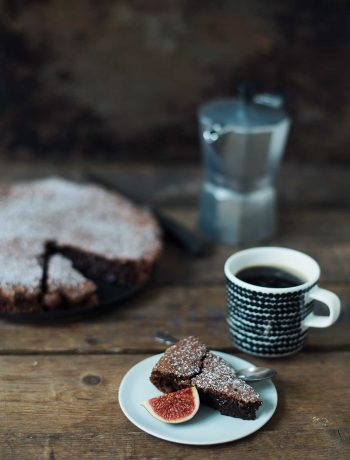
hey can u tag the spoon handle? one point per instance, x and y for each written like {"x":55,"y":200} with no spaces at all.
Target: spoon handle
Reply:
{"x":260,"y":375}
{"x":164,"y":337}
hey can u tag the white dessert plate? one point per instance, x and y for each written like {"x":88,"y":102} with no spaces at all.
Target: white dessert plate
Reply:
{"x":208,"y":426}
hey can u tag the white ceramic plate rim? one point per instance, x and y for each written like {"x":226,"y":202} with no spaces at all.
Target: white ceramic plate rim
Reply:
{"x":124,"y":403}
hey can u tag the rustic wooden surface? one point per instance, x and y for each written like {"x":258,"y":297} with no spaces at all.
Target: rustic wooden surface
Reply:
{"x":58,"y":383}
{"x":112,"y":77}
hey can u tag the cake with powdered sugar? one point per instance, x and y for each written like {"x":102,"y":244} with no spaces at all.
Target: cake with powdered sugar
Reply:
{"x":179,"y":364}
{"x":221,"y":389}
{"x":103,"y":234}
{"x":190,"y":363}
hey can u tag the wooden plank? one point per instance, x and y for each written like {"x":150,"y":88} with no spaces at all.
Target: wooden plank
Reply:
{"x":178,"y":268}
{"x":306,"y":185}
{"x":65,"y":407}
{"x":130,"y":327}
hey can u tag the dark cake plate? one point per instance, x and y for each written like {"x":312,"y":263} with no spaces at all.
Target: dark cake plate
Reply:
{"x":110,"y":295}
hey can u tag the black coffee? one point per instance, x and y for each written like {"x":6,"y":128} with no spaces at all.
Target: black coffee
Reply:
{"x":271,"y":277}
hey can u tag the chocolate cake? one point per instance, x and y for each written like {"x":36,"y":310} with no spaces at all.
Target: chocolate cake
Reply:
{"x":103,"y":234}
{"x":190,"y":363}
{"x":219,"y":388}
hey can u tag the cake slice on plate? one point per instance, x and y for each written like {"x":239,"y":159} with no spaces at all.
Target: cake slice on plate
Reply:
{"x":190,"y":363}
{"x":218,"y":387}
{"x":179,"y":364}
{"x":66,"y":287}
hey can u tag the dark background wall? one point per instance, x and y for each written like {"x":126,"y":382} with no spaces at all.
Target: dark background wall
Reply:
{"x":123,"y":79}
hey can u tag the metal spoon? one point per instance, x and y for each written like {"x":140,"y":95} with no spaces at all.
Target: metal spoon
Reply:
{"x":164,"y":337}
{"x":249,"y":374}
{"x":255,"y":374}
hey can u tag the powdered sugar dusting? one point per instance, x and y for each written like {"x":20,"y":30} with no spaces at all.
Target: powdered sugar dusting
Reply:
{"x":64,"y":283}
{"x":61,"y":274}
{"x":183,"y":359}
{"x":219,"y":377}
{"x":83,"y":216}
{"x":20,"y":263}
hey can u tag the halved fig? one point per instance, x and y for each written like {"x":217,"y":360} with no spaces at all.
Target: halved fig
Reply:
{"x":176,"y":407}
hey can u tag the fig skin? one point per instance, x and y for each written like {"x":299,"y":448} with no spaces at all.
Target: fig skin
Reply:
{"x":173,"y":401}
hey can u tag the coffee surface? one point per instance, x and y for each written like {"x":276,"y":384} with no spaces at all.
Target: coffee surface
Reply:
{"x":270,"y":277}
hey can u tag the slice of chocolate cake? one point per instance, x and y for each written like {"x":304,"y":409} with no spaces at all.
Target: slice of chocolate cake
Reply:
{"x":218,"y":387}
{"x":190,"y":363}
{"x":178,"y":365}
{"x":65,"y":287}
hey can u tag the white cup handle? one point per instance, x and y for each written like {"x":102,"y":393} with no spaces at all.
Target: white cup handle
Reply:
{"x":328,"y":298}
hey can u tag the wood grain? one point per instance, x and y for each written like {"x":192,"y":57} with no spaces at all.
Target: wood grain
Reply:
{"x":130,"y":327}
{"x":50,"y":408}
{"x":125,"y":78}
{"x":58,"y":383}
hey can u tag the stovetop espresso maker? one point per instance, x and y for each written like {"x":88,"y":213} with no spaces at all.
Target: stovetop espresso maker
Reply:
{"x":242,"y":140}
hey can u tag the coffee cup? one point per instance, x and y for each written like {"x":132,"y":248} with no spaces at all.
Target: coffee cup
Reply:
{"x":270,"y":293}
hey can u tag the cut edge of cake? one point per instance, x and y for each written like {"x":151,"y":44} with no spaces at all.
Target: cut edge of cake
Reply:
{"x":33,"y":279}
{"x":94,"y":266}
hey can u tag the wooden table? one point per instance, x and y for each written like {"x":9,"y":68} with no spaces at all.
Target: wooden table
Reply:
{"x":58,"y":384}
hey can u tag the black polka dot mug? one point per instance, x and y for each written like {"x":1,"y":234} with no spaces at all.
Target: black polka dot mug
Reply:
{"x":269,"y":321}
